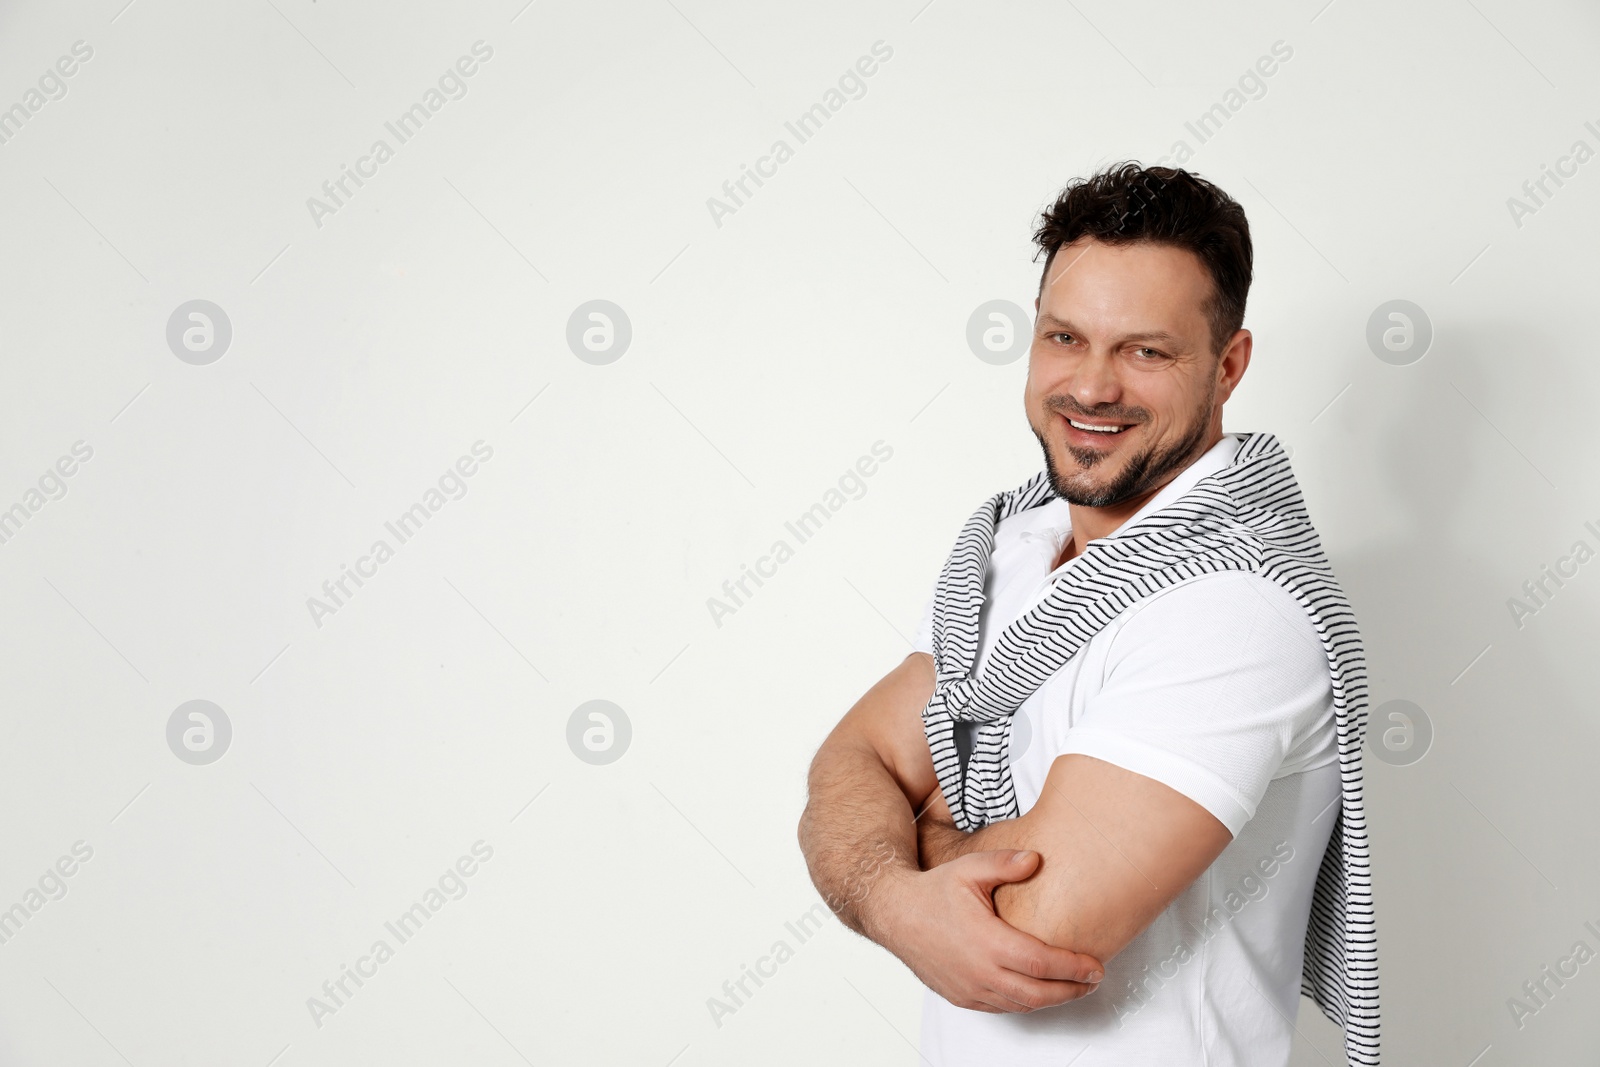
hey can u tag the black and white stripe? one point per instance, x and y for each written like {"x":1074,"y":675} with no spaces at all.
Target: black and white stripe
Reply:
{"x":1250,"y":517}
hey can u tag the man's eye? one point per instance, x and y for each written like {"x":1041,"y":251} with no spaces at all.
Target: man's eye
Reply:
{"x":1059,"y":336}
{"x":1147,"y":353}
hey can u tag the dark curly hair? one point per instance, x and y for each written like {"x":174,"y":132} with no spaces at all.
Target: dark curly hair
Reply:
{"x":1127,"y":203}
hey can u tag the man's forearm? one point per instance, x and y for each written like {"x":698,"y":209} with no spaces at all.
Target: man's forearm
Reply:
{"x":858,"y":831}
{"x":859,"y":837}
{"x":940,"y":841}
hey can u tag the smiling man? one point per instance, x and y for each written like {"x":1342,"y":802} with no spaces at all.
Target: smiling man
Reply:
{"x":1125,"y":757}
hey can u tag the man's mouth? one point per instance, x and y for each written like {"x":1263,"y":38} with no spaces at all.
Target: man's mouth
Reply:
{"x":1102,"y":429}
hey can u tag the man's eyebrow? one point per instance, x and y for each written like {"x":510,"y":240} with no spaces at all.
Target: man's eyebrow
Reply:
{"x":1146,"y":335}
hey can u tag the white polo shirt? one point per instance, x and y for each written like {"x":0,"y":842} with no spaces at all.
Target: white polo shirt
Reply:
{"x":1219,"y":687}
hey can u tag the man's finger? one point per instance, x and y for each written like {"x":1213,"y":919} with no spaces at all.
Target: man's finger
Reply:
{"x":1027,"y":955}
{"x":991,"y":999}
{"x":995,"y":1004}
{"x":1031,"y":994}
{"x":985,"y":870}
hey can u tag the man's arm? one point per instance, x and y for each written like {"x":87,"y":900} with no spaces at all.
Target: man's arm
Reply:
{"x":859,"y":827}
{"x":869,"y":780}
{"x":1207,"y":685}
{"x":1117,"y":848}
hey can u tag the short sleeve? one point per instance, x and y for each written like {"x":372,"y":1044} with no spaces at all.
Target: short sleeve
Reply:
{"x":1208,"y":687}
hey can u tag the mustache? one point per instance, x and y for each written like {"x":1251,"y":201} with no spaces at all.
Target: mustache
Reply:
{"x":1065,"y":405}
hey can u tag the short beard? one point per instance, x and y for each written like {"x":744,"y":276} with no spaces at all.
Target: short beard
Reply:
{"x":1145,"y":470}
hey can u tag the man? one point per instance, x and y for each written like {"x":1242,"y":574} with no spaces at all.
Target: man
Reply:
{"x":1096,"y":809}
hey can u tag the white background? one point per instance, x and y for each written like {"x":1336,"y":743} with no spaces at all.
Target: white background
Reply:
{"x":769,"y":352}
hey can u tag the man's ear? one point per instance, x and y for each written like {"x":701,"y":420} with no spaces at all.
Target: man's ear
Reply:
{"x":1233,"y":362}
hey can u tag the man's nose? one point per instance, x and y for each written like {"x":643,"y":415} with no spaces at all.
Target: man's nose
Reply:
{"x":1093,"y":381}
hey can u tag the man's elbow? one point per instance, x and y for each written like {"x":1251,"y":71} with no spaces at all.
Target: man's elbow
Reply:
{"x":805,"y":826}
{"x":1079,"y":923}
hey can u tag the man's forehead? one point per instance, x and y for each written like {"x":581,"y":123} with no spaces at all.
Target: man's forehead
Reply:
{"x":1158,"y":281}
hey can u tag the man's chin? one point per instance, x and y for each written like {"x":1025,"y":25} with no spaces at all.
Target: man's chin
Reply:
{"x":1098,"y":477}
{"x":1104,"y":461}
{"x":1086,"y":459}
{"x":1098,"y":482}
{"x":1097,"y":494}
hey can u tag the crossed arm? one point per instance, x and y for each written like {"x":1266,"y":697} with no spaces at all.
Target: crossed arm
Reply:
{"x":1019,"y":915}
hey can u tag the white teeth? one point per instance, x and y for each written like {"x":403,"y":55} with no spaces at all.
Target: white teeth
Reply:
{"x":1095,"y":429}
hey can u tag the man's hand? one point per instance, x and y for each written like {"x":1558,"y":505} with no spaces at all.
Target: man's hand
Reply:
{"x":942,"y":924}
{"x":859,"y":836}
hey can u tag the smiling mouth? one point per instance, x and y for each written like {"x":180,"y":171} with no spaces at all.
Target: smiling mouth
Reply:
{"x":1103,"y":429}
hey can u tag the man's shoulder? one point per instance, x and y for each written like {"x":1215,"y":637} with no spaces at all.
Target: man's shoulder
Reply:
{"x":1222,"y":604}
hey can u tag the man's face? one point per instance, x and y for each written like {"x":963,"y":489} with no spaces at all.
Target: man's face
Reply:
{"x":1124,"y":389}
